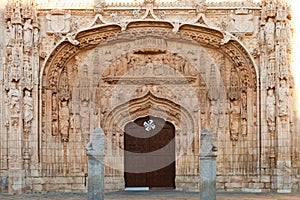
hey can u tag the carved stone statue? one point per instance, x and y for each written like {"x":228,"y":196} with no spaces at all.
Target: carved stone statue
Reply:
{"x":64,"y":123}
{"x":270,"y":108}
{"x":234,"y":120}
{"x":214,"y":116}
{"x":14,"y":96}
{"x":270,"y":34}
{"x":85,"y":117}
{"x":283,"y":96}
{"x":12,"y":32}
{"x":28,"y":35}
{"x":28,"y":107}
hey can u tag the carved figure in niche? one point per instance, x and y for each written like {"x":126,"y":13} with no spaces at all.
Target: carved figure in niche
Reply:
{"x":244,"y":127}
{"x":54,"y":106}
{"x":148,"y":67}
{"x":54,"y":128}
{"x":178,"y":64}
{"x":28,"y":33}
{"x":118,"y":68}
{"x":28,"y":108}
{"x":157,"y":66}
{"x":166,"y":65}
{"x":244,"y":104}
{"x":283,"y":96}
{"x":234,"y":120}
{"x":15,"y":70}
{"x":282,"y":61}
{"x":14,"y":96}
{"x":234,"y":85}
{"x":271,"y":66}
{"x":123,"y":62}
{"x":279,"y":32}
{"x":64,"y":92}
{"x":270,"y":109}
{"x":19,"y":32}
{"x":84,"y":114}
{"x":36,"y":36}
{"x":214,"y":116}
{"x":64,"y":121}
{"x":12,"y":31}
{"x":84,"y":85}
{"x":269,"y":34}
{"x":27,"y":74}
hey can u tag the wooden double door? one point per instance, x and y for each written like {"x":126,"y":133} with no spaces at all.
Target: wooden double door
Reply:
{"x":149,"y":156}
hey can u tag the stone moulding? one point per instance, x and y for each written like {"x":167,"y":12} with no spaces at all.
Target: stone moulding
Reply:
{"x":140,"y":107}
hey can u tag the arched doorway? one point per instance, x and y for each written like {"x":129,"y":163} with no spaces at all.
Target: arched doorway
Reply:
{"x":149,"y":158}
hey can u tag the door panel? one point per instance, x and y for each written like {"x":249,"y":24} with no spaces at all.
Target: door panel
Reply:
{"x":149,"y":155}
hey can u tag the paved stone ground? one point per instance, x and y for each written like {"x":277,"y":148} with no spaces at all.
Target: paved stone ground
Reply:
{"x":156,"y":195}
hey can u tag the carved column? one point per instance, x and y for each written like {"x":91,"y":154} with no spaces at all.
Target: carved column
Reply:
{"x":22,"y":60}
{"x":283,"y":162}
{"x":13,"y":106}
{"x":276,"y":137}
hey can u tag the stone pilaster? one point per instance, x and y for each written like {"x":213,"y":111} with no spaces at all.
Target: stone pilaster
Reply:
{"x":207,"y":167}
{"x":95,"y":152}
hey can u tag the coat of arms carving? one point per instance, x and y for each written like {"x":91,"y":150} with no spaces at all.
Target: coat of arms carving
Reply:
{"x":58,"y":22}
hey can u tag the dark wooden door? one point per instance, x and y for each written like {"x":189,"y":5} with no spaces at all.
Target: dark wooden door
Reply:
{"x":149,"y":156}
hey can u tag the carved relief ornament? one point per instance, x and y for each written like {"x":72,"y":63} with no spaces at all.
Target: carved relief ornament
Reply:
{"x":58,"y":22}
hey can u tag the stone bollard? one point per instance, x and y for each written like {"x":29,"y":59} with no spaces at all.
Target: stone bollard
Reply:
{"x":95,"y":152}
{"x":207,"y":167}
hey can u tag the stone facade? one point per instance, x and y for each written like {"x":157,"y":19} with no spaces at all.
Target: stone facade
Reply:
{"x":67,"y":69}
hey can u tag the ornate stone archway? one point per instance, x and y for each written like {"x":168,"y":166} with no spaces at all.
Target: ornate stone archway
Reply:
{"x":186,"y":133}
{"x":199,"y":73}
{"x":65,"y":71}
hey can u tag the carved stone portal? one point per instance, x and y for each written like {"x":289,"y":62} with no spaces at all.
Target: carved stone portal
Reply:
{"x":199,"y":65}
{"x":117,"y":83}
